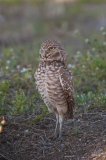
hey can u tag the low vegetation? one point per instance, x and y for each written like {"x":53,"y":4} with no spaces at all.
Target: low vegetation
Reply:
{"x":18,"y":92}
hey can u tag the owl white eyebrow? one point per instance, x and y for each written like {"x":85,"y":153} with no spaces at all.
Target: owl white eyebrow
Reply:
{"x":51,"y":47}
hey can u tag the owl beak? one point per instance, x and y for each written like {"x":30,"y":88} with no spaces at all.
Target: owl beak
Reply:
{"x":44,"y":54}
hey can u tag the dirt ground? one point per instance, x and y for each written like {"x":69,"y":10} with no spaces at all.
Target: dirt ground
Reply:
{"x":84,"y":138}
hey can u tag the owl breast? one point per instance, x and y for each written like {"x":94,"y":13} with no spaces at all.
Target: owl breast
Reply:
{"x":49,"y":86}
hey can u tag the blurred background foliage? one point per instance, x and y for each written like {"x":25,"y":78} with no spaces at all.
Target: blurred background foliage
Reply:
{"x":78,"y":24}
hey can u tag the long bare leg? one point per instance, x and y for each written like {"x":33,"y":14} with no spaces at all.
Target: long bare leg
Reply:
{"x":56,"y":132}
{"x":57,"y":125}
{"x":61,"y":118}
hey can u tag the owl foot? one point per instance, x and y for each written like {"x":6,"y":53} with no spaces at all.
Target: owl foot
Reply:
{"x":57,"y":137}
{"x":54,"y":136}
{"x":61,"y":138}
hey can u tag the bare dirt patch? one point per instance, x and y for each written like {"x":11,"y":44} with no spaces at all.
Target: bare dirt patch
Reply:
{"x":85,"y":138}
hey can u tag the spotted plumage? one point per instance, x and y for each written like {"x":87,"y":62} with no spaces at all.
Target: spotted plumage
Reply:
{"x":55,"y":82}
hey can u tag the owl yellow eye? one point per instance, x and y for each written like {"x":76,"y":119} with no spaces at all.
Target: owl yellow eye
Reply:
{"x":51,"y":48}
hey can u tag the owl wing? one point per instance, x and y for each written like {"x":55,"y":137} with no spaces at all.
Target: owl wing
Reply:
{"x":66,"y":80}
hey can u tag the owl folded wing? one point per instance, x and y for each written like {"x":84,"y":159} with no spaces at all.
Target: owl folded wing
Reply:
{"x":66,"y":80}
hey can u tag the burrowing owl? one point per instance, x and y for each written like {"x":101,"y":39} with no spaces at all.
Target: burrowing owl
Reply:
{"x":55,"y":82}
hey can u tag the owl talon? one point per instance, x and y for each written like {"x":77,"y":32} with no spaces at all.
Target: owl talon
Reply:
{"x":54,"y":136}
{"x":61,"y":138}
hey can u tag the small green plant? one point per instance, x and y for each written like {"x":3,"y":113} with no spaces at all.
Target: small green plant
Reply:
{"x":39,"y":117}
{"x":75,"y":130}
{"x":91,"y":99}
{"x":4,"y":87}
{"x":20,"y":103}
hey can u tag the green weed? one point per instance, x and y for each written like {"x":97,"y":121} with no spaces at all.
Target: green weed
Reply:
{"x":90,"y":74}
{"x":4,"y":87}
{"x":39,"y":117}
{"x":75,"y":130}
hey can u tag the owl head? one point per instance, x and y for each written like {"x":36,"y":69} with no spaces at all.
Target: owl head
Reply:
{"x":52,"y":50}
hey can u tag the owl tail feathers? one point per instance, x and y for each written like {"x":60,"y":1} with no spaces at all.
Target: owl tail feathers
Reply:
{"x":69,"y":114}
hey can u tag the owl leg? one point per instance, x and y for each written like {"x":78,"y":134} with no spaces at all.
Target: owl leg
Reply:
{"x":61,"y":118}
{"x":54,"y":136}
{"x":57,"y":124}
